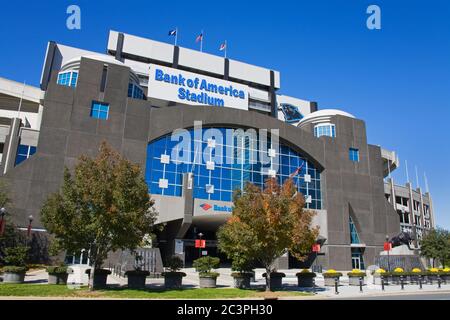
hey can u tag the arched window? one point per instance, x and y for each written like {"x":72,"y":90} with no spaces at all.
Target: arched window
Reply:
{"x":222,"y":162}
{"x":325,"y":129}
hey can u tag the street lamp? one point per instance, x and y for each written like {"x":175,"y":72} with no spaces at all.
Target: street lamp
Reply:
{"x":388,"y":249}
{"x":30,"y":220}
{"x":200,"y":235}
{"x":2,"y":221}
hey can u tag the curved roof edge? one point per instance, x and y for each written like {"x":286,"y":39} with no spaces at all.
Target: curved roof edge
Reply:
{"x":323,"y":116}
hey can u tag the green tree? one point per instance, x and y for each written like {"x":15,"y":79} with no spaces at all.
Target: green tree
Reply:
{"x":11,"y":236}
{"x":266,"y":223}
{"x":104,"y":206}
{"x":436,"y":245}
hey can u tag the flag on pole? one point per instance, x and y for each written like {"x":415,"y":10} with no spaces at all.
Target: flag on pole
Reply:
{"x":223,"y":47}
{"x":174,"y":33}
{"x":297,"y":171}
{"x":199,"y":37}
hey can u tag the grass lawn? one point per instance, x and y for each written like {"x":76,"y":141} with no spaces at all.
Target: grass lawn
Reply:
{"x":45,"y":290}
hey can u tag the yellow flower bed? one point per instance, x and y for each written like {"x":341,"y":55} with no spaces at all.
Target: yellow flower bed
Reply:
{"x":416,"y":270}
{"x":331,"y":271}
{"x":356,"y":271}
{"x":399,"y":270}
{"x":380,"y":271}
{"x":446,"y":270}
{"x":433,"y":270}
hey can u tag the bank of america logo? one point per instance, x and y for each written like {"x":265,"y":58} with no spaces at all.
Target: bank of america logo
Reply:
{"x":205,"y":206}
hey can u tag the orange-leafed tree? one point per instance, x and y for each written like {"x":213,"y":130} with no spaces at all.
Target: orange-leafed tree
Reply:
{"x":267,"y":223}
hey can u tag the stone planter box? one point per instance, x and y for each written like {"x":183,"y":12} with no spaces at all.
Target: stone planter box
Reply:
{"x":173,"y":280}
{"x":208,"y":282}
{"x":13,"y":277}
{"x":276,"y":280}
{"x":57,"y":278}
{"x":100,"y":277}
{"x":242,"y":281}
{"x":354,"y":281}
{"x":329,"y":281}
{"x":377,"y":280}
{"x":136,"y":279}
{"x":305,"y":281}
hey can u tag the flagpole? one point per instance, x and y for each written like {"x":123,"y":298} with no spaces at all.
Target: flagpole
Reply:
{"x":176,"y":36}
{"x":201,"y":42}
{"x":226,"y":48}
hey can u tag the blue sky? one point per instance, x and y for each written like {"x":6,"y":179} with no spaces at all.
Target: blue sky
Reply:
{"x":397,"y":79}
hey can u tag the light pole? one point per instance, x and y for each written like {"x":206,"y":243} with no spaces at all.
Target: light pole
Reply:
{"x":30,"y":220}
{"x":388,"y":249}
{"x":200,"y":235}
{"x":2,"y":221}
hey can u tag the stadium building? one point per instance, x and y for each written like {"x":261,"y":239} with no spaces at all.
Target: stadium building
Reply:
{"x":200,"y":126}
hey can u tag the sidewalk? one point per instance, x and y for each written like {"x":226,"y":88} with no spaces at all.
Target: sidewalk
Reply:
{"x":289,"y":283}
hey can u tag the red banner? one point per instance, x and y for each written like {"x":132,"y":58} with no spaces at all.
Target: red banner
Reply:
{"x":200,"y":243}
{"x":316,"y":248}
{"x":387,"y":246}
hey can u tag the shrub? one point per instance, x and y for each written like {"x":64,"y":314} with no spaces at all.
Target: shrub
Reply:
{"x":204,"y":265}
{"x":174,"y":264}
{"x":331,"y":273}
{"x":356,"y":273}
{"x":57,"y":269}
{"x":98,"y":272}
{"x":305,"y":273}
{"x":14,"y":269}
{"x":137,"y":273}
{"x":16,"y":256}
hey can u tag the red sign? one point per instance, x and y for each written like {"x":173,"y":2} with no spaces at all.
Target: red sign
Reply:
{"x":387,"y":246}
{"x":316,"y":248}
{"x":200,"y":243}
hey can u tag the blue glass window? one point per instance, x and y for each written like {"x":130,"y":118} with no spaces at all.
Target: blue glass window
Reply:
{"x":135,"y":91}
{"x":354,"y":238}
{"x":100,"y":110}
{"x":354,"y":154}
{"x":24,"y":152}
{"x":328,"y":130}
{"x":68,"y":78}
{"x":226,"y":176}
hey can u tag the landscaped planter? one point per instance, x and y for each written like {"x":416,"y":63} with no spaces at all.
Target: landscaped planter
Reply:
{"x":57,"y":275}
{"x":445,"y":276}
{"x":330,"y":278}
{"x":378,"y":277}
{"x":136,"y":279}
{"x":173,"y":280}
{"x":397,"y":279}
{"x":276,"y":280}
{"x":305,"y":279}
{"x":242,"y":280}
{"x":208,"y":281}
{"x":354,"y":280}
{"x":432,"y":278}
{"x":100,"y":277}
{"x":354,"y":276}
{"x":14,"y":274}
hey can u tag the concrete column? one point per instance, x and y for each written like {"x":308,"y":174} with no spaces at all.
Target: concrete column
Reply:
{"x":411,"y":212}
{"x":188,"y":205}
{"x":11,"y":144}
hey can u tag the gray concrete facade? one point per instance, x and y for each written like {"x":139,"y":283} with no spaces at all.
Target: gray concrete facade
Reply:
{"x":67,"y":131}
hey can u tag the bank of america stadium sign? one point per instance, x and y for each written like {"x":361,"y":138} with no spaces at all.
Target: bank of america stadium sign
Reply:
{"x":190,"y":88}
